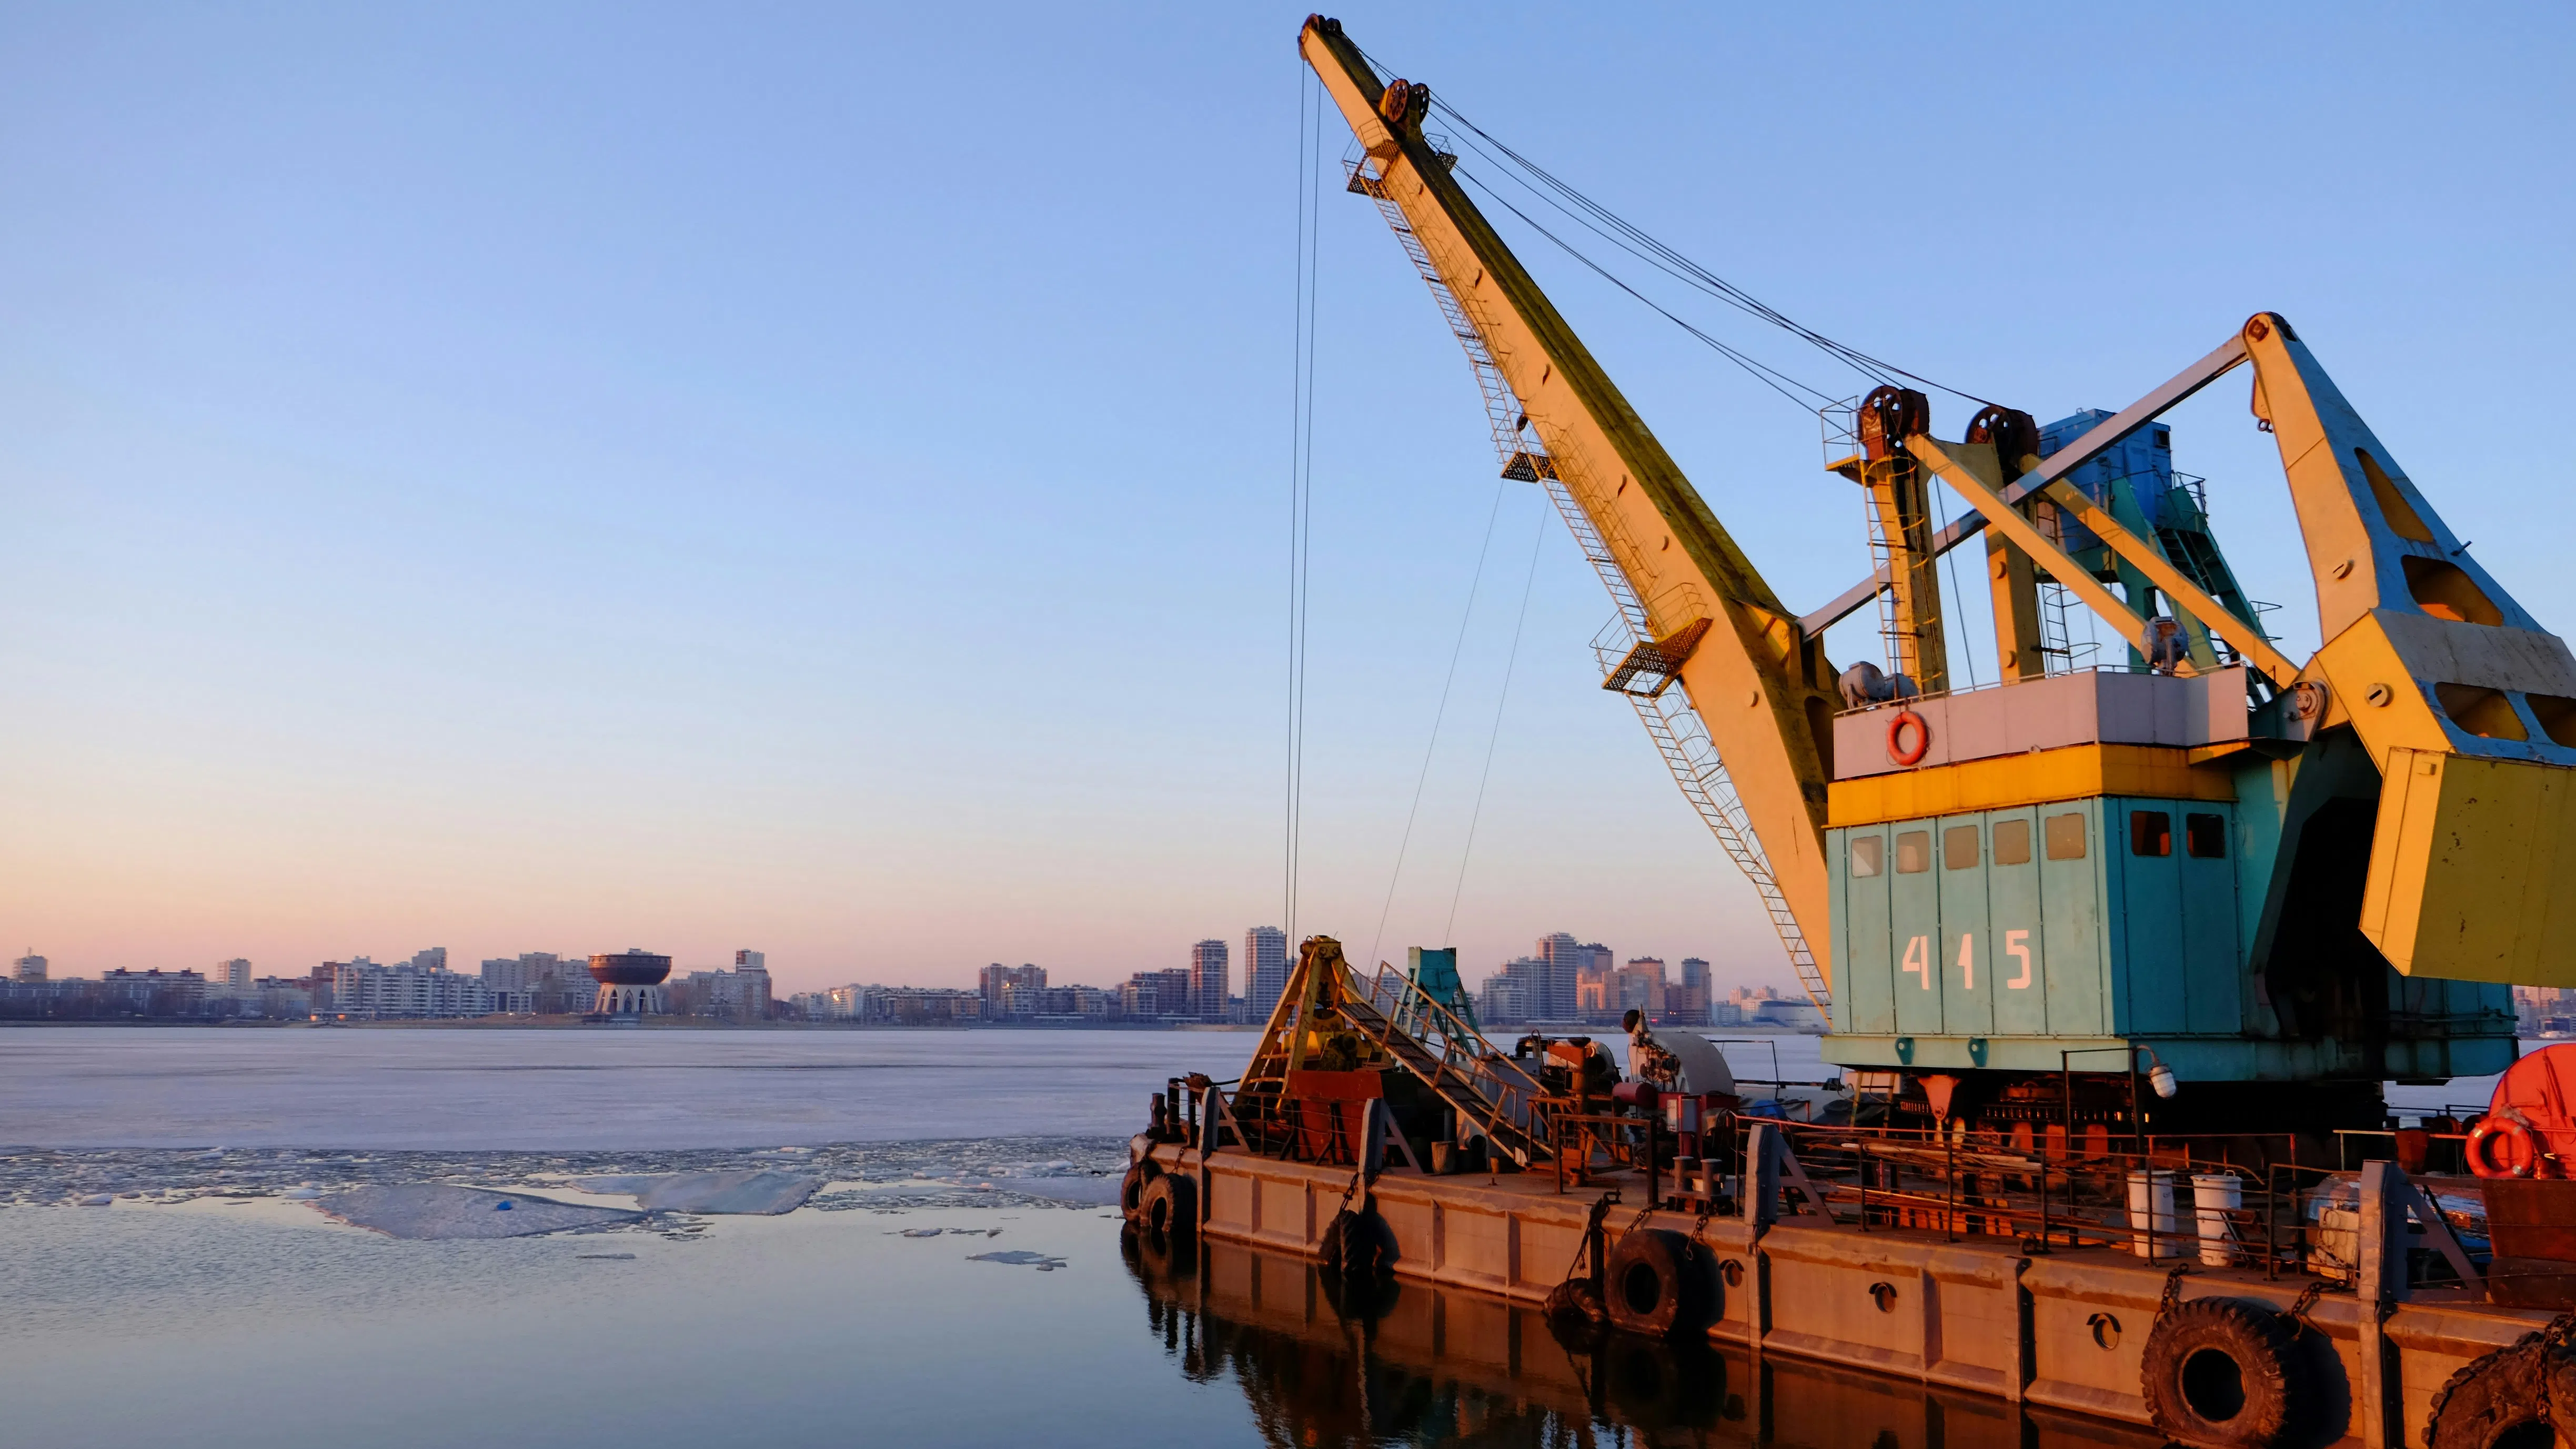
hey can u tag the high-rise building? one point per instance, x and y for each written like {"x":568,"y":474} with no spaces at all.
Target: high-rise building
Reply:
{"x":1011,"y":990}
{"x":1210,"y":981}
{"x":1514,"y":992}
{"x":28,"y":968}
{"x":1556,"y":997}
{"x":229,"y":978}
{"x":1642,"y":988}
{"x":1265,"y":971}
{"x":433,"y":959}
{"x":1150,"y":994}
{"x":1688,"y":1003}
{"x":753,"y":990}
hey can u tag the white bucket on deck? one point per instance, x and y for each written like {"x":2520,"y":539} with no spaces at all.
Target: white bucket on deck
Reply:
{"x":2214,"y":1195}
{"x":2155,"y":1228}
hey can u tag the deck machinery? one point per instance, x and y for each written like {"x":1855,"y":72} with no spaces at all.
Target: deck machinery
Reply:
{"x":2214,"y":859}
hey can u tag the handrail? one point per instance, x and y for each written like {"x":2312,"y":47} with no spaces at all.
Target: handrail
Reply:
{"x":1498,"y":1093}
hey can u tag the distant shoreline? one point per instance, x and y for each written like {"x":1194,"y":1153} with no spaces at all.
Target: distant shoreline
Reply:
{"x":575,"y":1023}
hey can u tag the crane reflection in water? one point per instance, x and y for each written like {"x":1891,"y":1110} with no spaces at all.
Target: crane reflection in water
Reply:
{"x":1329,"y":1365}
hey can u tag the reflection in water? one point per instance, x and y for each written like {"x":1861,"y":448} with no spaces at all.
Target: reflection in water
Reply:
{"x":1421,"y":1365}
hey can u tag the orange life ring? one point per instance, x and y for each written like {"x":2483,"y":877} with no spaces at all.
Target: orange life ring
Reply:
{"x":1896,"y":730}
{"x":2520,"y":1155}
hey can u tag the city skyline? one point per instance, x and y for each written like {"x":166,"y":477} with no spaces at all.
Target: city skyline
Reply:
{"x":554,"y":517}
{"x":793,"y":978}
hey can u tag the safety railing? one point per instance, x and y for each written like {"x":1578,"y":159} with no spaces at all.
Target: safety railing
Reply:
{"x":1453,"y":1059}
{"x":2215,"y":1200}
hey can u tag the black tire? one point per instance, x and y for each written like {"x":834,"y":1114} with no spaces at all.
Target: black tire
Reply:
{"x":1168,"y":1205}
{"x":1131,"y":1191}
{"x":1656,"y":1284}
{"x":1574,"y":1315}
{"x":2517,"y":1396}
{"x":1358,"y":1245}
{"x":2223,"y":1372}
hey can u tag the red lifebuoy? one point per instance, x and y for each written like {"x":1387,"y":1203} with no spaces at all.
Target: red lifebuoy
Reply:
{"x":2519,"y":1155}
{"x":1896,"y":731}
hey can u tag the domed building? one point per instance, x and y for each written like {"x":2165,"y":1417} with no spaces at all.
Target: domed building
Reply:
{"x":630,"y":983}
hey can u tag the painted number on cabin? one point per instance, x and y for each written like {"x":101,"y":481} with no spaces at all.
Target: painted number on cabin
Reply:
{"x":1918,"y":959}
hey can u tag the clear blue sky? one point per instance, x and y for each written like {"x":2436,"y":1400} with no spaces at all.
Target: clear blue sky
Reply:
{"x":543,"y":477}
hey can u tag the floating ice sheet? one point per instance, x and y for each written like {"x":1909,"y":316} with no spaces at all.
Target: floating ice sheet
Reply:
{"x":1019,"y":1258}
{"x":438,"y":1210}
{"x":1024,"y":1172}
{"x":764,"y":1191}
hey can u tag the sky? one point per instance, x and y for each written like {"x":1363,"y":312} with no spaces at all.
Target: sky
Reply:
{"x":814,"y":478}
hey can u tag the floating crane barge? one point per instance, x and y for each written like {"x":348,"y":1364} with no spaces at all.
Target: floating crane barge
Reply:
{"x":2114,"y":959}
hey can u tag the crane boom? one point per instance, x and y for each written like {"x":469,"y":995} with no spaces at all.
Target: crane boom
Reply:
{"x":1762,"y":689}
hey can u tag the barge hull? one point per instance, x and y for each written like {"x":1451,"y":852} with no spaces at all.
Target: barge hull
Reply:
{"x":2064,"y":1331}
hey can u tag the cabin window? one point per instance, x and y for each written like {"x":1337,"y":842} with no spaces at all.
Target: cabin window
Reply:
{"x":1913,"y":852}
{"x":2012,"y":842}
{"x":1868,"y":854}
{"x":1959,"y":847}
{"x":2150,"y":832}
{"x":2205,"y":836}
{"x":2066,"y":837}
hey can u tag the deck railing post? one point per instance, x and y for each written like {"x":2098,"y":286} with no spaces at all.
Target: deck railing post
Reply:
{"x":1761,"y":1174}
{"x":2382,"y":1287}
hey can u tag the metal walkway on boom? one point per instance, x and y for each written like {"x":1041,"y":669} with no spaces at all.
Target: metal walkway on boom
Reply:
{"x":1680,"y":736}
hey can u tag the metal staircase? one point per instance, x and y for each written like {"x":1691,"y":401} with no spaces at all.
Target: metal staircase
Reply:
{"x":1679,"y":735}
{"x":1453,"y":1059}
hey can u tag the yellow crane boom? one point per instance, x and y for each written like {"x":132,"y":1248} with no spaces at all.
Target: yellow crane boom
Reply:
{"x":1762,"y":689}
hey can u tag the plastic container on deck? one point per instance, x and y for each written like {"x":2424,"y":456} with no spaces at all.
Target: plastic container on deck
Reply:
{"x":2155,"y":1229}
{"x":2214,"y":1196}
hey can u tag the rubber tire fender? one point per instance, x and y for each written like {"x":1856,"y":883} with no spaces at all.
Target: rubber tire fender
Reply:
{"x":1131,"y":1192}
{"x":2270,"y":1380}
{"x":2522,"y":1384}
{"x":1169,"y":1205}
{"x":1656,"y":1284}
{"x":1358,"y":1245}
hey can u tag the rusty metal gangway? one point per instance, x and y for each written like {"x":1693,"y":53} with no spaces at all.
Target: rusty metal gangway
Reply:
{"x":1485,"y":1086}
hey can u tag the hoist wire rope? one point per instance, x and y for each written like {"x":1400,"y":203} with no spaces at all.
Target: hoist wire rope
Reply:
{"x":1301,"y":466}
{"x":1760,"y":372}
{"x":1448,"y":932}
{"x":1741,"y":359}
{"x":1483,"y":550}
{"x":1638,"y":242}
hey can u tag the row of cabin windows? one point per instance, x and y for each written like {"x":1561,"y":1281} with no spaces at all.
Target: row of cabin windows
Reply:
{"x":2150,"y":833}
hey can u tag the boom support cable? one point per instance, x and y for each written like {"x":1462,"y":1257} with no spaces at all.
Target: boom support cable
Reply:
{"x":1769,"y":376}
{"x":1642,"y":245}
{"x":1437,"y":715}
{"x":1301,"y":470}
{"x":1448,"y":932}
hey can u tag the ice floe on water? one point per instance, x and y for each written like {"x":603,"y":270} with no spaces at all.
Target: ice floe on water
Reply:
{"x":1022,"y":1172}
{"x":437,"y":1210}
{"x":766,"y":1191}
{"x":1019,"y":1258}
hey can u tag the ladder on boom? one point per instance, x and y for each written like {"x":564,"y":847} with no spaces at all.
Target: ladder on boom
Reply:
{"x":1676,"y":728}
